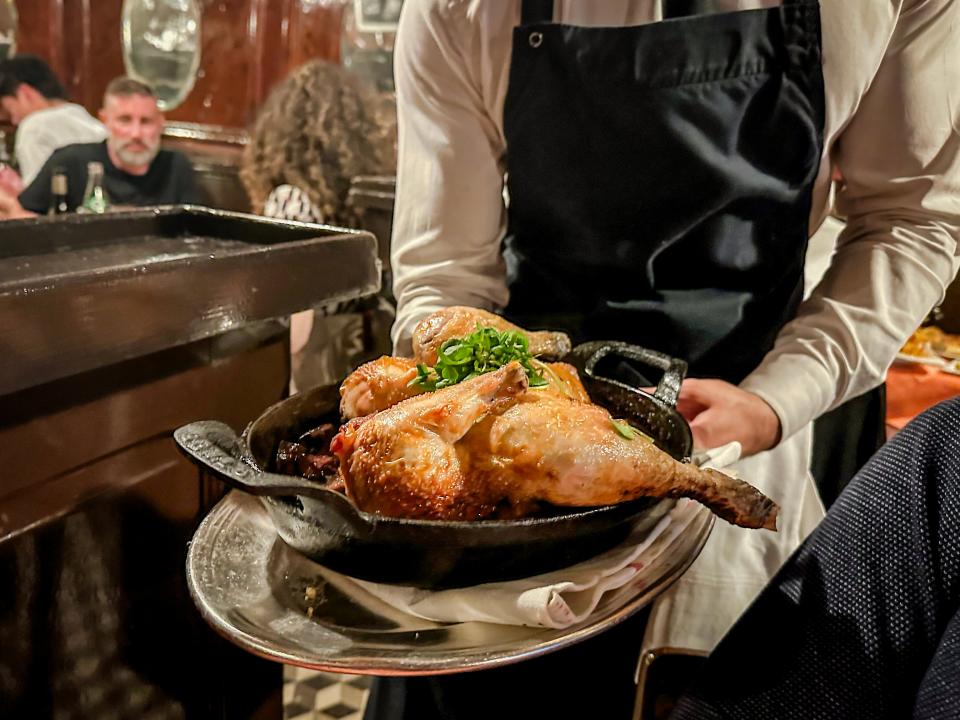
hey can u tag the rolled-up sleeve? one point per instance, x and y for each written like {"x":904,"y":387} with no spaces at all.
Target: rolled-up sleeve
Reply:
{"x":450,"y":216}
{"x":899,"y":158}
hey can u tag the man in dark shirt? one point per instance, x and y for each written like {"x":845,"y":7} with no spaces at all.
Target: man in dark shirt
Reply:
{"x":136,"y":171}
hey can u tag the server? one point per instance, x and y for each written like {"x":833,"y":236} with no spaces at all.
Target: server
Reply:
{"x":662,"y":178}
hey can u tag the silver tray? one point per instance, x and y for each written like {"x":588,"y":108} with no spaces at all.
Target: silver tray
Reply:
{"x":251,"y":588}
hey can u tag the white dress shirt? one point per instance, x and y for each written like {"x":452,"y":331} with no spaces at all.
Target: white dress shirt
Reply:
{"x":43,"y":131}
{"x":892,"y":80}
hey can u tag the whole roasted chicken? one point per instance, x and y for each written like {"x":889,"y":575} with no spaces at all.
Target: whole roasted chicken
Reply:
{"x":493,"y":446}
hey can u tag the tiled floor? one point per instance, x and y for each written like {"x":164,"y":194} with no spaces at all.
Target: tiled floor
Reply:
{"x":311,"y":695}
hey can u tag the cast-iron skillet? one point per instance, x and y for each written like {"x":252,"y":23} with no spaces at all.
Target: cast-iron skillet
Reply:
{"x":325,"y":526}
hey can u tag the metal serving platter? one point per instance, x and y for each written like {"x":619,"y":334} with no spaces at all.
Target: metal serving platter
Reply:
{"x":79,"y":292}
{"x":251,"y":588}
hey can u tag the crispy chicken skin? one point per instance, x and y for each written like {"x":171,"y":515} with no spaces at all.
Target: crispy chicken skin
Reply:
{"x":377,"y":385}
{"x":404,"y":461}
{"x":462,"y":452}
{"x":384,"y":382}
{"x":567,"y":453}
{"x":458,"y":321}
{"x":564,"y":380}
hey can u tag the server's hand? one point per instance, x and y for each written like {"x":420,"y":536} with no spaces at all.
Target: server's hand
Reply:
{"x":719,"y":412}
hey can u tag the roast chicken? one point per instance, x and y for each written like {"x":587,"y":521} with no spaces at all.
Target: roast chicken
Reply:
{"x":492,"y":446}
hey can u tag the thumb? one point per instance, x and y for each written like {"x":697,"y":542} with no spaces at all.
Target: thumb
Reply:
{"x":694,"y":398}
{"x":702,"y":427}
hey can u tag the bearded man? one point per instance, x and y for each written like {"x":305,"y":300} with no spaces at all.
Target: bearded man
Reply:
{"x":136,"y":171}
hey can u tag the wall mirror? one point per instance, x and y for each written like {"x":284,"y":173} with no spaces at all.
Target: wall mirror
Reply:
{"x":161,"y":46}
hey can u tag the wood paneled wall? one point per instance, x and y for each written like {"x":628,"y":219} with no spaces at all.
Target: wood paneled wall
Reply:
{"x":248,"y":45}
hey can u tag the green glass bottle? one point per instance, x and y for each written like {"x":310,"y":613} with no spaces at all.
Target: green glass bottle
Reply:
{"x":95,"y":198}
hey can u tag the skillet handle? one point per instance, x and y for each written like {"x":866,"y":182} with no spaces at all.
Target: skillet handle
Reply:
{"x":674,"y":370}
{"x":215,"y":447}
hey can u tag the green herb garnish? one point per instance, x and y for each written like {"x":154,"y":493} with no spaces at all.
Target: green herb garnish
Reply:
{"x":482,"y":351}
{"x":628,"y":431}
{"x":624,"y":429}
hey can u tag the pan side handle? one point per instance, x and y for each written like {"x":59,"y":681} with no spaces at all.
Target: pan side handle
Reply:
{"x":215,"y":447}
{"x":674,"y":370}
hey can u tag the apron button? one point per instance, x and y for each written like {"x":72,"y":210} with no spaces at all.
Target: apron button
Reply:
{"x":536,"y":39}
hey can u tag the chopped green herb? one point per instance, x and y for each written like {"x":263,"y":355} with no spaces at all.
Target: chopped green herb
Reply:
{"x":624,"y":429}
{"x":628,"y":431}
{"x":483,"y":351}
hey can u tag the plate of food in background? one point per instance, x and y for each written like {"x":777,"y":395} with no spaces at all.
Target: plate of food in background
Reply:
{"x":920,"y":348}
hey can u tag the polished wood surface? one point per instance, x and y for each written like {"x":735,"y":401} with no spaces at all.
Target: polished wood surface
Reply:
{"x":314,"y":32}
{"x":97,"y":508}
{"x":248,"y":45}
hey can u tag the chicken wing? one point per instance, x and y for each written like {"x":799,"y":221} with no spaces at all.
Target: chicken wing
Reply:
{"x":463,"y":452}
{"x":459,"y":321}
{"x":377,"y":385}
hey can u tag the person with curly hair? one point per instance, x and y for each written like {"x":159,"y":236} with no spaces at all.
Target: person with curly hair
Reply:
{"x":320,"y":128}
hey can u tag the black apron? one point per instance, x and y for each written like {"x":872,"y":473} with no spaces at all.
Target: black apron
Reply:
{"x":660,"y":180}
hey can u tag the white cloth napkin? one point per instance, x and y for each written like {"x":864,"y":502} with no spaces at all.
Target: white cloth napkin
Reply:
{"x":563,"y":597}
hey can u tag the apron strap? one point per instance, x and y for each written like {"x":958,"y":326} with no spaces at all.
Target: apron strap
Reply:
{"x":536,"y":11}
{"x":541,"y":11}
{"x":687,"y":8}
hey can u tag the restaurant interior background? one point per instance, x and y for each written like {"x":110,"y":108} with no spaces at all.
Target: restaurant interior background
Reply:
{"x":214,"y":61}
{"x":96,"y":506}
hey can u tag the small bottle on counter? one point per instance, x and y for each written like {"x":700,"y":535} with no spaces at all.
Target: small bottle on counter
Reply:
{"x":94,"y":197}
{"x":5,"y":159}
{"x":58,"y":193}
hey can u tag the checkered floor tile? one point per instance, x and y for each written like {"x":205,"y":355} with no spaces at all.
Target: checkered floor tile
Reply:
{"x":312,"y":695}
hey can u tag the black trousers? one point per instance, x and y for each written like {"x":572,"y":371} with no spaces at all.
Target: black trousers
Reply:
{"x":845,"y":438}
{"x":864,"y":619}
{"x":593,"y":679}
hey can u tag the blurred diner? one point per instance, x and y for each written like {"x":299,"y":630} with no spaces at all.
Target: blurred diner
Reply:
{"x":128,"y":169}
{"x":319,"y":129}
{"x":37,"y":105}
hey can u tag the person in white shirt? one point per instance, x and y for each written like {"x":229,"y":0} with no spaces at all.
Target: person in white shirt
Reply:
{"x":36,"y":103}
{"x":620,"y":172}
